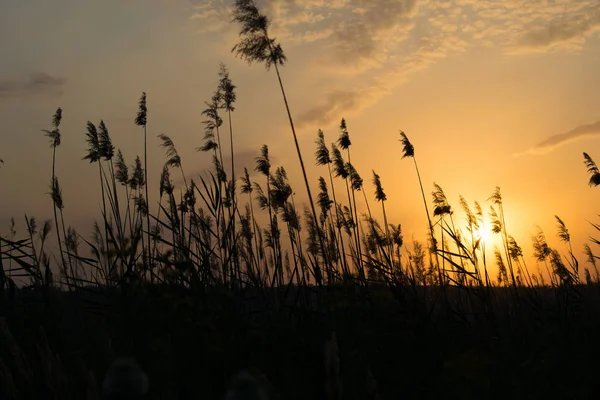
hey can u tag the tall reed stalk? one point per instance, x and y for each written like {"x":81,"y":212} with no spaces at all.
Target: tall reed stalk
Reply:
{"x":381,"y":197}
{"x":323,"y":157}
{"x":408,"y":151}
{"x":141,"y":120}
{"x":54,"y":136}
{"x":344,"y":143}
{"x":257,"y":46}
{"x":228,"y":98}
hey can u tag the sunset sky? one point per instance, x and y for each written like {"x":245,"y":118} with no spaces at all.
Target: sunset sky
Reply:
{"x":490,"y":92}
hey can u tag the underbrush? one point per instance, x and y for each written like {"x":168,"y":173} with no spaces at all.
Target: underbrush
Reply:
{"x":390,"y":345}
{"x":227,"y":273}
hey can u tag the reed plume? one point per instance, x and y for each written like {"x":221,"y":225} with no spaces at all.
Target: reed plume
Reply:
{"x":228,"y":98}
{"x":542,"y":251}
{"x":141,"y":120}
{"x":408,"y":151}
{"x":592,"y":258}
{"x":344,"y":143}
{"x":500,"y":227}
{"x":247,"y":188}
{"x":263,"y":166}
{"x":107,"y":151}
{"x":173,"y":158}
{"x":340,"y":170}
{"x":592,"y":170}
{"x":257,"y":46}
{"x":381,"y":197}
{"x":122,"y":176}
{"x":99,"y":146}
{"x":323,"y":157}
{"x":565,"y":237}
{"x":54,"y":136}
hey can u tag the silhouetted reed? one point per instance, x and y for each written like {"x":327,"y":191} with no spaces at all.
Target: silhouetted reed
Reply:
{"x":54,"y":135}
{"x":257,"y":46}
{"x":141,"y":120}
{"x":213,"y":254}
{"x":592,"y":170}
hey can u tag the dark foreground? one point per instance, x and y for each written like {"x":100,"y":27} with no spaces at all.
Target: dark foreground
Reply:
{"x":406,"y":343}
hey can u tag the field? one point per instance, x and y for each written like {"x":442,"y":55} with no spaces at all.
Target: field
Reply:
{"x":229,"y":273}
{"x":391,"y":343}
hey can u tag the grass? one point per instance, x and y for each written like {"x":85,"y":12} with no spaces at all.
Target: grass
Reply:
{"x":202,"y":281}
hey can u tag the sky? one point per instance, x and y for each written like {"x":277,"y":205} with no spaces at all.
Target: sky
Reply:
{"x":490,"y":92}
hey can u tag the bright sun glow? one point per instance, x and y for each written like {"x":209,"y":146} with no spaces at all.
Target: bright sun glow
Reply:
{"x":484,"y":234}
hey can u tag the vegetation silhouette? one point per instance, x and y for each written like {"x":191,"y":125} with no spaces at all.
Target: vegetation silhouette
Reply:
{"x":206,"y":295}
{"x":257,"y":46}
{"x":592,"y":170}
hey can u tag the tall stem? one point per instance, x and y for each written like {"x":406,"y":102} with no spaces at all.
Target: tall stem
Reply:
{"x":62,"y":219}
{"x":62,"y":256}
{"x":272,"y":231}
{"x":104,"y":216}
{"x":147,"y":196}
{"x":508,"y":259}
{"x":387,"y":234}
{"x":357,"y":224}
{"x":354,"y":225}
{"x":356,"y":218}
{"x":233,"y":193}
{"x":310,"y":198}
{"x":117,"y":206}
{"x":258,"y":258}
{"x":437,"y":260}
{"x":222,"y":208}
{"x":343,"y":250}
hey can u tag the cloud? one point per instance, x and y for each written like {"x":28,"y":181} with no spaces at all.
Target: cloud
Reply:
{"x":356,"y":30}
{"x":560,"y":30}
{"x":442,"y":29}
{"x":338,"y":102}
{"x":354,"y":41}
{"x":555,"y":141}
{"x":360,"y":33}
{"x":534,"y":26}
{"x":365,"y":48}
{"x":426,"y":51}
{"x":212,"y":16}
{"x":37,"y":84}
{"x":363,"y":38}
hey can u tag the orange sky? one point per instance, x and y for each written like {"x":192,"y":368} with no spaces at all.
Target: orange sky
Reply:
{"x":491,"y":93}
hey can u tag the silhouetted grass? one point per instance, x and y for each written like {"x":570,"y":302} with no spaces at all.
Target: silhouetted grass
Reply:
{"x":192,"y":284}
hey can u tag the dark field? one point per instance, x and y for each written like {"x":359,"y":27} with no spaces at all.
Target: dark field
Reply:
{"x":399,"y":343}
{"x":227,"y":273}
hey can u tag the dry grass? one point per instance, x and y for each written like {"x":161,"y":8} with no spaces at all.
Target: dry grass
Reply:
{"x":201,"y":281}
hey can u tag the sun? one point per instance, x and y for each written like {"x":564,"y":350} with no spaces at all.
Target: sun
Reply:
{"x":483,"y":234}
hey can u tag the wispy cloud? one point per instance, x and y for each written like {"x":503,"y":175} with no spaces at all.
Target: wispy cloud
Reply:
{"x":211,"y":15}
{"x":534,"y":26}
{"x":37,"y":84}
{"x":425,"y":52}
{"x":561,"y":30}
{"x":365,"y":48}
{"x":555,"y":141}
{"x":338,"y":102}
{"x":366,"y":35}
